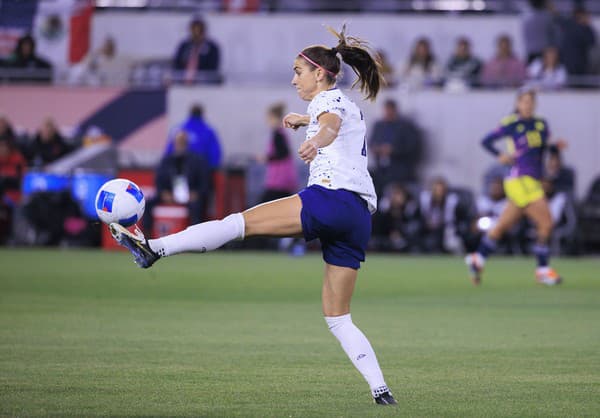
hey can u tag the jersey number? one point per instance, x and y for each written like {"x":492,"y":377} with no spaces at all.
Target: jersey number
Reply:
{"x":364,"y":148}
{"x":534,"y":139}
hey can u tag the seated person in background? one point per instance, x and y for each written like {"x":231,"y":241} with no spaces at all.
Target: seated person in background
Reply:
{"x":197,"y":53}
{"x":493,"y":201}
{"x":94,"y":135}
{"x":421,"y":70}
{"x":33,"y":67}
{"x":104,"y":66}
{"x":182,"y":178}
{"x":562,"y":178}
{"x":505,"y":69}
{"x":12,"y":169}
{"x":547,"y":72}
{"x":489,"y":206}
{"x":441,"y":212}
{"x":396,"y":224}
{"x":47,"y":146}
{"x":6,"y":130}
{"x":387,"y":69}
{"x":564,"y":216}
{"x":462,"y":65}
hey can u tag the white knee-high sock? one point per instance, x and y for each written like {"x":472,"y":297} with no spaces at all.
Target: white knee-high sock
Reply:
{"x":358,"y":348}
{"x":206,"y":236}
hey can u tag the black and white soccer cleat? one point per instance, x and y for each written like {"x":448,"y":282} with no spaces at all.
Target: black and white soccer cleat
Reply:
{"x":385,"y":398}
{"x":135,"y":243}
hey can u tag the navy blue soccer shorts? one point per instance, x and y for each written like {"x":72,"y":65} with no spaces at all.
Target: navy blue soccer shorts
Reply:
{"x":341,"y":220}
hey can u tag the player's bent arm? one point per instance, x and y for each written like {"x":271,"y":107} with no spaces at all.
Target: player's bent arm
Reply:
{"x":295,"y":120}
{"x":488,"y":141}
{"x":329,"y":127}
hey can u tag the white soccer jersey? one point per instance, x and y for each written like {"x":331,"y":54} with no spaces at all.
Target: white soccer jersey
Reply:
{"x":343,"y":163}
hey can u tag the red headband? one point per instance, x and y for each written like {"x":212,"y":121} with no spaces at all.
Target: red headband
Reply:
{"x":317,"y":65}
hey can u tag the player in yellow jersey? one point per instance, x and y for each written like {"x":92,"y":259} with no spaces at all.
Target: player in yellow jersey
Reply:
{"x":528,"y":136}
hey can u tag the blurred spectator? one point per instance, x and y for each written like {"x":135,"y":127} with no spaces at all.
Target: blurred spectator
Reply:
{"x":281,"y":179}
{"x":182,"y":178}
{"x":562,"y":178}
{"x":589,"y":217}
{"x":488,"y":208}
{"x":577,"y":39}
{"x":397,"y":144}
{"x":441,"y":213}
{"x":540,"y":30}
{"x":197,"y":53}
{"x":462,"y":65}
{"x":386,"y":68}
{"x":202,"y":138}
{"x":396,"y":225}
{"x":54,"y":218}
{"x":31,"y":67}
{"x":93,"y":136}
{"x":564,"y":217}
{"x":421,"y":69}
{"x":104,"y":66}
{"x":547,"y":72}
{"x":6,"y":130}
{"x":505,"y":69}
{"x":47,"y":146}
{"x":12,"y":169}
{"x":594,"y":60}
{"x":491,"y":203}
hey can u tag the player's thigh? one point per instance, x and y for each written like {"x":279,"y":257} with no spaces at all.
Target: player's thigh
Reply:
{"x":338,"y":287}
{"x":539,"y":213}
{"x":508,"y":218}
{"x":277,"y":218}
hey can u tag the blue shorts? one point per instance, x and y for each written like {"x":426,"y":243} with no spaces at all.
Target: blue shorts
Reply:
{"x":341,"y":221}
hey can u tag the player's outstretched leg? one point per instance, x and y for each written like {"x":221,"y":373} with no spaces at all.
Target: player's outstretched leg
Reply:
{"x":278,"y":218}
{"x":202,"y":237}
{"x":338,"y":287}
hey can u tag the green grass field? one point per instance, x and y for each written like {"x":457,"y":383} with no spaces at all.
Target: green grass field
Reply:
{"x":234,"y":334}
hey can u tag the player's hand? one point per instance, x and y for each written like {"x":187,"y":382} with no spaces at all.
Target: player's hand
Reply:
{"x":294,"y":120}
{"x":506,"y":159}
{"x":307,"y":151}
{"x":561,"y":144}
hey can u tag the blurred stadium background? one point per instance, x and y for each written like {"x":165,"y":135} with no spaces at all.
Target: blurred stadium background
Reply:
{"x":91,"y":90}
{"x":107,"y":83}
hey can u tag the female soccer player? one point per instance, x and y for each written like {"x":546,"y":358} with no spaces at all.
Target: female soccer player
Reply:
{"x":336,"y":206}
{"x":528,"y":140}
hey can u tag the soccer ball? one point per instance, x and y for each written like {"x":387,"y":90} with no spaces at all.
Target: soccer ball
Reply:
{"x":121,"y":201}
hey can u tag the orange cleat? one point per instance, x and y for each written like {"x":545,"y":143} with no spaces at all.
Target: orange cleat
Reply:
{"x":547,"y":276}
